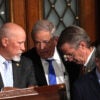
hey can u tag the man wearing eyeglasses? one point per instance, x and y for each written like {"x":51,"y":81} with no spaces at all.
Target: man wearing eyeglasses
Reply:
{"x":75,"y":43}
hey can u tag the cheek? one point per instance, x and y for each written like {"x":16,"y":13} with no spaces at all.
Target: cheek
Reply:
{"x":78,"y":55}
{"x":14,"y":47}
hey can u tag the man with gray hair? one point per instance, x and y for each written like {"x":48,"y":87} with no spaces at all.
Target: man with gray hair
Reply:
{"x":75,"y":43}
{"x":44,"y":51}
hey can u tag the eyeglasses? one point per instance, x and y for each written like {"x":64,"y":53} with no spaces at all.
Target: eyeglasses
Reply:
{"x":69,"y":57}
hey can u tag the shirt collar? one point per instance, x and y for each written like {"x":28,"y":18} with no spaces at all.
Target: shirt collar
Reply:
{"x":89,"y":57}
{"x":2,"y":59}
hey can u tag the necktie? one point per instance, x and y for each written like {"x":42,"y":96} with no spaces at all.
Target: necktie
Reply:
{"x":8,"y":80}
{"x":51,"y":73}
{"x":82,"y":70}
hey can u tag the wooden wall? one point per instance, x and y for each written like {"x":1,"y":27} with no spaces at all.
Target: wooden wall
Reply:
{"x":87,"y":15}
{"x":27,"y":12}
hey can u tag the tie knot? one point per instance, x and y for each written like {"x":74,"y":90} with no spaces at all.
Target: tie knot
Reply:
{"x":49,"y":60}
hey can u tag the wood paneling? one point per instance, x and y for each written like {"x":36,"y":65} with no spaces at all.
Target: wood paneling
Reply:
{"x":27,"y":12}
{"x":97,"y":19}
{"x":17,"y":12}
{"x":87,"y":15}
{"x":33,"y":13}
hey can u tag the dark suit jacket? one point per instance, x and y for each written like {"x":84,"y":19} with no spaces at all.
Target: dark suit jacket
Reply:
{"x":23,"y":74}
{"x":87,"y":87}
{"x":71,"y":68}
{"x":91,"y":64}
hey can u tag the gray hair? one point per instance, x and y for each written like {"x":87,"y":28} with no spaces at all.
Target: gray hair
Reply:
{"x":43,"y":25}
{"x":73,"y":35}
{"x":3,"y":32}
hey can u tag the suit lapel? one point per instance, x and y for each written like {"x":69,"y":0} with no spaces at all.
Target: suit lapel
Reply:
{"x":94,"y":84}
{"x":41,"y":73}
{"x":1,"y":83}
{"x":16,"y":72}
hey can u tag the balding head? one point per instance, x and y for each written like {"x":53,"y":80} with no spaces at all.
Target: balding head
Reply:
{"x":12,"y":39}
{"x":10,"y":29}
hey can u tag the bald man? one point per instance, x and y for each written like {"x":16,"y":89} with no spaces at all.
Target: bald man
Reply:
{"x":21,"y":72}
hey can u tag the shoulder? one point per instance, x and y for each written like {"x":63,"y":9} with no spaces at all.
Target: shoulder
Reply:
{"x":32,"y":54}
{"x":86,"y":79}
{"x":25,"y":60}
{"x":29,"y":52}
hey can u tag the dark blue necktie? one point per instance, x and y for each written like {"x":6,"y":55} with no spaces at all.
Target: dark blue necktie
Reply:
{"x":51,"y":73}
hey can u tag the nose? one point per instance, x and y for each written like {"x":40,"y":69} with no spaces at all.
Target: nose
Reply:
{"x":42,"y":45}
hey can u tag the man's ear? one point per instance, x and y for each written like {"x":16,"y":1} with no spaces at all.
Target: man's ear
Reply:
{"x":82,"y":44}
{"x":4,"y":41}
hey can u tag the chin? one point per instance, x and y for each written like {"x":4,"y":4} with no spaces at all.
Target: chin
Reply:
{"x":17,"y":58}
{"x":46,"y":56}
{"x":80,"y":63}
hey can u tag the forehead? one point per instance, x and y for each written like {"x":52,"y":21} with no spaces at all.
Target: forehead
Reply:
{"x":42,"y":35}
{"x":67,"y":48}
{"x":16,"y":31}
{"x":17,"y":36}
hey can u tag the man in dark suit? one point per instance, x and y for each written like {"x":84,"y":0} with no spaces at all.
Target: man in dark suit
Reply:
{"x":88,"y":86}
{"x":15,"y":70}
{"x":75,"y":43}
{"x":45,"y":49}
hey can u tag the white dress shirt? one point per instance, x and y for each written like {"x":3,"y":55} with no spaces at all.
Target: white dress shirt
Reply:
{"x":58,"y":67}
{"x":61,"y":75}
{"x":89,"y":57}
